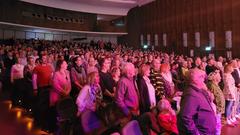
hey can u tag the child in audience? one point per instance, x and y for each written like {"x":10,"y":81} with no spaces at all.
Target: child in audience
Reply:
{"x":167,"y":117}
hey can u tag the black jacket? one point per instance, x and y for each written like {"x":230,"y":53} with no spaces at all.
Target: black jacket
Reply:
{"x":144,"y":95}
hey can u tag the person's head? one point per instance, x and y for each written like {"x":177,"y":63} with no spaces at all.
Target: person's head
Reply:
{"x":197,"y":77}
{"x":115,"y":71}
{"x":174,"y":66}
{"x":93,"y":78}
{"x":198,"y":61}
{"x":128,"y":70}
{"x":156,"y":64}
{"x":234,"y":63}
{"x":220,"y":59}
{"x":211,"y":62}
{"x":215,"y":76}
{"x":91,"y":61}
{"x":44,"y":59}
{"x":61,"y":65}
{"x":105,"y":63}
{"x":78,"y":61}
{"x":31,"y":60}
{"x":144,"y":70}
{"x":228,"y":68}
{"x":165,"y":68}
{"x":164,"y":105}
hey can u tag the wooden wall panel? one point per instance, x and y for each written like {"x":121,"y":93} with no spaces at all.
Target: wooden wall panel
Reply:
{"x":174,"y":17}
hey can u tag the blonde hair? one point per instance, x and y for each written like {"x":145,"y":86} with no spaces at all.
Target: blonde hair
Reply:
{"x":91,"y":77}
{"x":227,"y":68}
{"x":164,"y":104}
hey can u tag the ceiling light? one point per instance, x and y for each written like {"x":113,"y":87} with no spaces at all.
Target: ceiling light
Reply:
{"x":122,"y":1}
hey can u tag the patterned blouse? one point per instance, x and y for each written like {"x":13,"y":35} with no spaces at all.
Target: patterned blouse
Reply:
{"x":219,"y":99}
{"x":158,"y":83}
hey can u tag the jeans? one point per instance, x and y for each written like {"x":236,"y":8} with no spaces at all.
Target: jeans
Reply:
{"x":228,"y":108}
{"x":218,"y":124}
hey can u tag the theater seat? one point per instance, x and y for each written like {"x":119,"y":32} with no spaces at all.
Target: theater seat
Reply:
{"x":132,"y":128}
{"x":90,"y":121}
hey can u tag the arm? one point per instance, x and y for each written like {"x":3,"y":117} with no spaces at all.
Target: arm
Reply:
{"x":74,"y":78}
{"x":121,"y":90}
{"x":81,"y":100}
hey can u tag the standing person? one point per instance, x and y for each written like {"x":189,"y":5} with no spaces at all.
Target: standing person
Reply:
{"x":196,"y":115}
{"x":146,"y":89}
{"x":61,"y":89}
{"x":156,"y":79}
{"x":61,"y":83}
{"x":230,"y":92}
{"x":42,"y":76}
{"x":28,"y":72}
{"x":106,"y":81}
{"x":17,"y":80}
{"x":127,"y":97}
{"x":236,"y":76}
{"x":213,"y":85}
{"x":78,"y":76}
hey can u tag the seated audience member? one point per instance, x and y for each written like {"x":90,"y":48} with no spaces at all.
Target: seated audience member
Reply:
{"x":196,"y":114}
{"x":167,"y":117}
{"x":127,"y":97}
{"x":146,"y":89}
{"x":230,"y":93}
{"x":78,"y":76}
{"x":214,"y":79}
{"x":91,"y":95}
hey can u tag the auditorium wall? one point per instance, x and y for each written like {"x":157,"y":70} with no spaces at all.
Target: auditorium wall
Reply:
{"x":18,"y":34}
{"x":185,"y":24}
{"x":19,"y":12}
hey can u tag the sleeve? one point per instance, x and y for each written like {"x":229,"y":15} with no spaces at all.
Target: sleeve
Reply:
{"x":188,"y":111}
{"x":34,"y":80}
{"x":121,"y":90}
{"x":81,"y":99}
{"x":73,"y":75}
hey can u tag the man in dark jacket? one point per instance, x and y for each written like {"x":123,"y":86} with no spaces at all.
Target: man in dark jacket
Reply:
{"x":196,"y":116}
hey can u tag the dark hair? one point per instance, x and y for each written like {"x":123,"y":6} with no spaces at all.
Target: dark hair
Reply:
{"x":101,"y":61}
{"x":58,"y":64}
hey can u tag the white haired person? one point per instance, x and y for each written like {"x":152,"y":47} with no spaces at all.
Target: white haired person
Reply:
{"x":127,"y":97}
{"x":213,"y":85}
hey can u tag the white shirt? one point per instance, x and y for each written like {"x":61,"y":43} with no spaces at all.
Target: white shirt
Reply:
{"x":151,"y":91}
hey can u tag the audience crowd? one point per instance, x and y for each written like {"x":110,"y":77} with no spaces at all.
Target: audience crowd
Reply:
{"x":110,"y":85}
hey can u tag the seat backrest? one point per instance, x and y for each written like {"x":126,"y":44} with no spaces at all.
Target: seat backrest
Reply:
{"x":132,"y":128}
{"x":90,"y":121}
{"x":66,"y":108}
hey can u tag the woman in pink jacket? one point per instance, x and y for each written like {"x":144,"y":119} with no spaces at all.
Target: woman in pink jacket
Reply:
{"x":61,"y":83}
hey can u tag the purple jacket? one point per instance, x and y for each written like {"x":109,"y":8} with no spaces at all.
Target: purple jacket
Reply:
{"x":196,"y":116}
{"x":127,"y":96}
